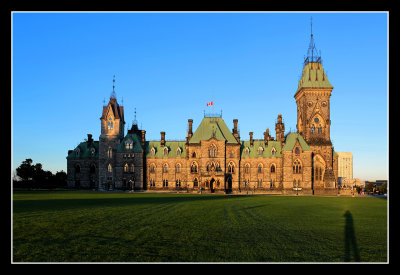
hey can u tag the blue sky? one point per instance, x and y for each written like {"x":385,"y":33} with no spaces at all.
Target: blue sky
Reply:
{"x":169,"y":65}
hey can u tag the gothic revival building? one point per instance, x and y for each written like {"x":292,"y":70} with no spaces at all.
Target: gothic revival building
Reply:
{"x":214,"y":158}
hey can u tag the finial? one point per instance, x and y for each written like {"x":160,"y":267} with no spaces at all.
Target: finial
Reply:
{"x":311,"y":28}
{"x":113,"y":91}
{"x":122,"y":101}
{"x":134,"y":120}
{"x":104,"y":101}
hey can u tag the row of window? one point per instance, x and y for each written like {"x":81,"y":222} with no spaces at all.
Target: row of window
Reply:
{"x":166,"y":151}
{"x":260,"y":151}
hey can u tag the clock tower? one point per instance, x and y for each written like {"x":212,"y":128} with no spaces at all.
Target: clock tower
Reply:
{"x":313,"y":117}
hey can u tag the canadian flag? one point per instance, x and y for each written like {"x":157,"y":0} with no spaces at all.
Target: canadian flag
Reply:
{"x":211,"y":103}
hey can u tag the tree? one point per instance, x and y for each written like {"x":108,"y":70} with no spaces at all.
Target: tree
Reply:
{"x":369,"y":187}
{"x":26,"y":170}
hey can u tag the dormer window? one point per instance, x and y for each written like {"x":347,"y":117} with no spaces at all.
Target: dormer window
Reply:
{"x":178,"y":151}
{"x":153,"y":151}
{"x":273,"y":151}
{"x":247,"y":151}
{"x":92,"y":151}
{"x":77,"y":152}
{"x":129,"y":144}
{"x":165,"y":151}
{"x":260,"y":151}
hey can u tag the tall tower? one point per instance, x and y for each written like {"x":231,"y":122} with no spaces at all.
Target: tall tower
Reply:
{"x":112,"y":132}
{"x":313,"y":115}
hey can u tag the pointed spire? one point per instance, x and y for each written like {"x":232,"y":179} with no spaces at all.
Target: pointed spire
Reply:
{"x":113,"y":95}
{"x":134,"y":120}
{"x":312,"y":50}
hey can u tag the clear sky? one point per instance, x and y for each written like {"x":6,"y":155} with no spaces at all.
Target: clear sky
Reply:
{"x":169,"y":65}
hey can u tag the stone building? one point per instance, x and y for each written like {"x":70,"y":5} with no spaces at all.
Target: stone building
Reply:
{"x":213,"y":158}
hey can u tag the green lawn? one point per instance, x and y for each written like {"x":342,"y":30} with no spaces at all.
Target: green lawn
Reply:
{"x":76,"y":226}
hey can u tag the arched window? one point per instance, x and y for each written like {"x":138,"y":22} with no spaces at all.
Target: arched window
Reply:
{"x":319,"y":129}
{"x":273,"y":151}
{"x":297,"y":151}
{"x":194,"y":155}
{"x":178,"y":168}
{"x":153,"y":151}
{"x":178,"y":151}
{"x":260,"y":151}
{"x":247,"y":151}
{"x":110,"y":124}
{"x":259,"y":168}
{"x":193,"y":168}
{"x":247,"y":168}
{"x":178,"y":183}
{"x":312,"y":129}
{"x":212,"y":166}
{"x":297,"y":167}
{"x":212,"y":151}
{"x":109,"y":168}
{"x":165,"y":183}
{"x":165,"y":168}
{"x":195,"y":182}
{"x":126,"y":167}
{"x":92,"y":151}
{"x":77,"y":152}
{"x":273,"y":168}
{"x":166,"y":151}
{"x":231,"y":168}
{"x":109,"y":152}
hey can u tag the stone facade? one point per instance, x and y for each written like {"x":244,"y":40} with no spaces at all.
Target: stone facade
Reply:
{"x":213,"y":158}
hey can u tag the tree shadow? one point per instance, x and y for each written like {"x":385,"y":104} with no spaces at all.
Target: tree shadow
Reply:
{"x":350,"y":242}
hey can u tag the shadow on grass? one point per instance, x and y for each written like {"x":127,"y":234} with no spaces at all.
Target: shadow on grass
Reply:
{"x":350,"y":240}
{"x":90,"y":202}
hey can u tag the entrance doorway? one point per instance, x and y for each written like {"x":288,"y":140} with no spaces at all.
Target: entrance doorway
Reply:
{"x":212,"y":185}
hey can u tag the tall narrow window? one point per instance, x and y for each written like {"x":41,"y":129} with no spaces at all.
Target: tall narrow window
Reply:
{"x":152,"y":168}
{"x":247,"y":151}
{"x":297,"y":167}
{"x":193,"y":168}
{"x":109,"y":169}
{"x":178,"y":151}
{"x":178,"y":168}
{"x":165,"y":151}
{"x":212,"y":151}
{"x":110,"y":124}
{"x":126,"y":167}
{"x":165,"y":168}
{"x":312,"y":129}
{"x":231,"y":168}
{"x":195,"y":183}
{"x":259,"y":168}
{"x":247,"y":168}
{"x":109,"y":152}
{"x":273,"y":151}
{"x":273,"y":168}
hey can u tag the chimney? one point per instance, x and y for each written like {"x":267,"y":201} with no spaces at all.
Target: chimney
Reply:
{"x":235,"y":122}
{"x":251,"y":139}
{"x":190,"y":127}
{"x":89,"y":139}
{"x":235,"y":131}
{"x":266,"y":136}
{"x":280,"y":129}
{"x":162,"y":139}
{"x":143,"y":137}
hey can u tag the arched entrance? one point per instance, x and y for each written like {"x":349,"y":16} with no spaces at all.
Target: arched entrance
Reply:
{"x":212,"y":185}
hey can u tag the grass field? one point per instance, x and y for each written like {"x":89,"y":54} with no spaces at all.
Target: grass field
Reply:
{"x":76,"y":226}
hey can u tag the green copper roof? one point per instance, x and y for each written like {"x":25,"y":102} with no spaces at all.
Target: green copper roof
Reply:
{"x":266,"y":151}
{"x":291,"y":140}
{"x":85,"y":150}
{"x":172,"y":149}
{"x":314,"y":76}
{"x":136,"y":146}
{"x":212,"y":127}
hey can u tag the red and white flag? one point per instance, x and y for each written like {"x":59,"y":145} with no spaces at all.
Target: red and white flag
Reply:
{"x":210,"y":103}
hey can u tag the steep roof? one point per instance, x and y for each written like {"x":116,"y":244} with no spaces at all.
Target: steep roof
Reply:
{"x":212,"y":127}
{"x":135,"y":140}
{"x":85,"y":150}
{"x":313,"y":76}
{"x":291,"y":140}
{"x":172,"y":149}
{"x":257,"y":143}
